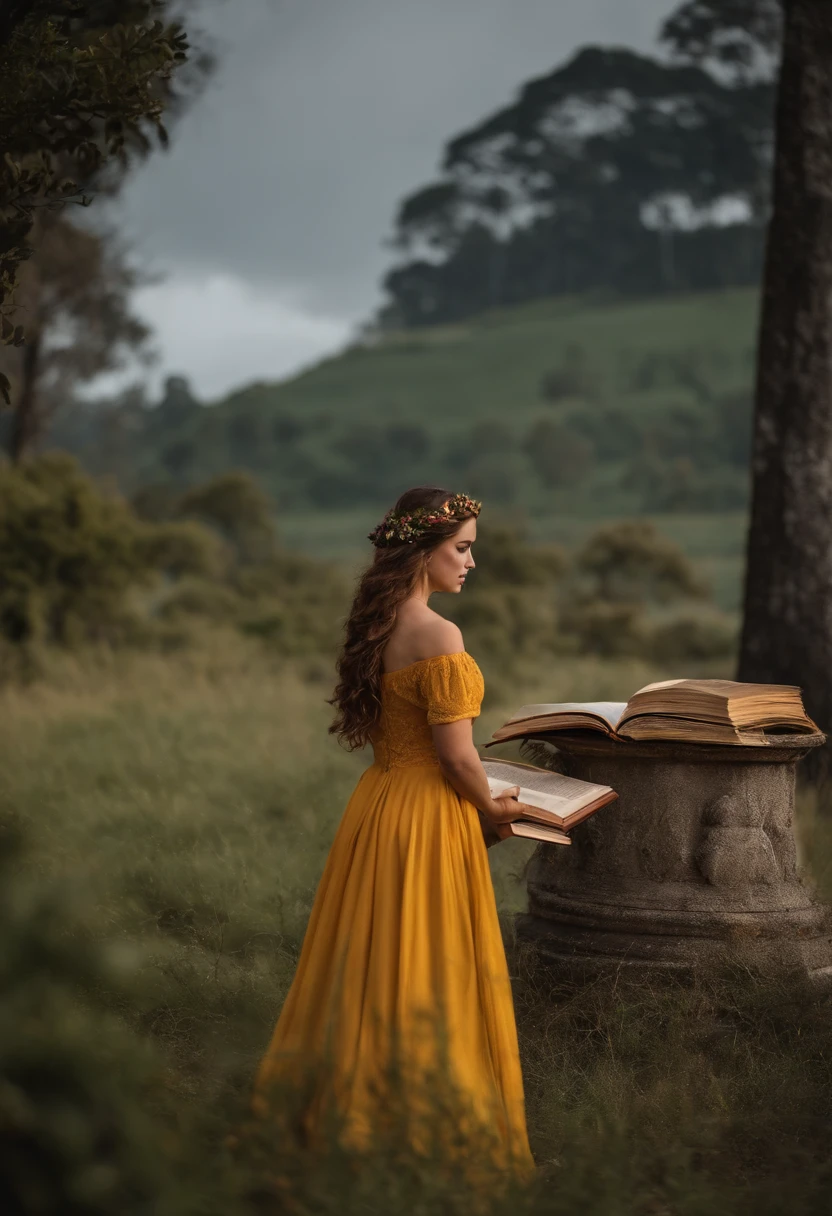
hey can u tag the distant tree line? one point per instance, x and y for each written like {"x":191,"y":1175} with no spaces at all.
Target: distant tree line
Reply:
{"x":674,"y":435}
{"x":616,"y":171}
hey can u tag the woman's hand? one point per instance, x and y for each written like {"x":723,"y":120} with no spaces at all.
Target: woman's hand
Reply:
{"x":506,"y":808}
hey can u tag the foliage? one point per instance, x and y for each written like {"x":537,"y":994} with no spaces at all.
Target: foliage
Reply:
{"x":68,"y":556}
{"x":630,"y":563}
{"x":77,"y":564}
{"x":238,"y":508}
{"x":625,"y":577}
{"x":79,"y":87}
{"x":740,"y":36}
{"x":608,"y":173}
{"x":74,"y":296}
{"x":666,"y":378}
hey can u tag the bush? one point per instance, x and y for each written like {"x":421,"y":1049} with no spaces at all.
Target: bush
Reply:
{"x":186,"y":548}
{"x":68,"y":555}
{"x":621,"y":577}
{"x":632,"y":563}
{"x":608,"y":630}
{"x":239,"y":510}
{"x":710,"y":635}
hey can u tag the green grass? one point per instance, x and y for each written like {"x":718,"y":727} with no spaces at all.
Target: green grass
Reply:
{"x":491,"y":366}
{"x":458,"y":383}
{"x":188,"y":802}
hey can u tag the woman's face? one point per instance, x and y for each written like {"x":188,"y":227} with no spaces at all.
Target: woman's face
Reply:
{"x":449,"y":563}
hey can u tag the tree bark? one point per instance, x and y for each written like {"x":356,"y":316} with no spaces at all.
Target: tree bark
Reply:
{"x":26,"y":421}
{"x":787,"y":626}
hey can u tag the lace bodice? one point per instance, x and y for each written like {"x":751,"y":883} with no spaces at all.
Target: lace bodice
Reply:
{"x":444,"y":688}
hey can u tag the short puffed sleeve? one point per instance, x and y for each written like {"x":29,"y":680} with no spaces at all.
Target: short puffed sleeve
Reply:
{"x":452,"y":687}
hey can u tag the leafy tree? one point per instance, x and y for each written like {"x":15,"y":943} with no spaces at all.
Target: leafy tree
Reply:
{"x":73,"y":296}
{"x":82,"y":87}
{"x":621,"y":572}
{"x":70,"y":555}
{"x":632,"y":563}
{"x":607,"y":172}
{"x":236,"y":506}
{"x":741,"y":37}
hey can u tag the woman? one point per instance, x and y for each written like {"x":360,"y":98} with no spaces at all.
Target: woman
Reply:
{"x":402,"y":972}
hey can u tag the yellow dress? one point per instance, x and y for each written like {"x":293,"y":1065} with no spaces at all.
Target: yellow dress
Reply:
{"x":403,"y":947}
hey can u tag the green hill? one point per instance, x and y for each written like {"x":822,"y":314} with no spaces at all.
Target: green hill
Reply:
{"x":562,"y":413}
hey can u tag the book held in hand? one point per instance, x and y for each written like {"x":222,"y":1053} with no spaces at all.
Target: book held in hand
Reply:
{"x":691,"y":711}
{"x":557,"y":803}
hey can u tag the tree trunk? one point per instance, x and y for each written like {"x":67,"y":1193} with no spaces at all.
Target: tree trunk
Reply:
{"x":787,"y":627}
{"x":26,"y":418}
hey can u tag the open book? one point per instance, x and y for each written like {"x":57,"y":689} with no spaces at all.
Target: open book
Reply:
{"x":558,"y":802}
{"x":694,"y":711}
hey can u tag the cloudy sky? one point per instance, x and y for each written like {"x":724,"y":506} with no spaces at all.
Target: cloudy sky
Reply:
{"x":269,"y":214}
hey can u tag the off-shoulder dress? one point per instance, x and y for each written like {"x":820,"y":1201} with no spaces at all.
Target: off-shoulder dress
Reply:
{"x":403,"y":959}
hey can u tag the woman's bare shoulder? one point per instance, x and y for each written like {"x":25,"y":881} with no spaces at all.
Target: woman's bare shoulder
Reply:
{"x":423,"y":635}
{"x":442,"y":637}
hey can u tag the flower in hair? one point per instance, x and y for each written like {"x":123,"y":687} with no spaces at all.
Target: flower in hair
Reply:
{"x":408,"y":526}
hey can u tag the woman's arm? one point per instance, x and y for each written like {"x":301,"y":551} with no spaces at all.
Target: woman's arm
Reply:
{"x":462,"y":767}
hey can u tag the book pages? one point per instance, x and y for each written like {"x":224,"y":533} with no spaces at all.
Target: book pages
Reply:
{"x":540,"y":788}
{"x":538,"y":831}
{"x":610,"y":711}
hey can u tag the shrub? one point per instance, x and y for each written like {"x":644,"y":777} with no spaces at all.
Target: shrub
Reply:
{"x":235,"y":505}
{"x":68,"y":554}
{"x":632,"y":563}
{"x":608,"y":630}
{"x":709,"y":635}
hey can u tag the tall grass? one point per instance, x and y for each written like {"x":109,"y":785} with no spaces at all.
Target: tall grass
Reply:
{"x":184,"y":805}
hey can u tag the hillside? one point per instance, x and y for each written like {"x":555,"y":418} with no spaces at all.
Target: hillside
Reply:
{"x":563,"y":412}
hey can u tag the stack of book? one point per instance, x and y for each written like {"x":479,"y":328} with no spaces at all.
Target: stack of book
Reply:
{"x":689,"y":711}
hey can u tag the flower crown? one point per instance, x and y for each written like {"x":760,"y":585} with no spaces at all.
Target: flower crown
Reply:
{"x":408,"y":526}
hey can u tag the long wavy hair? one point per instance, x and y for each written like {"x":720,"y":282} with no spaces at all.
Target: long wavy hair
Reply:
{"x":394,"y":574}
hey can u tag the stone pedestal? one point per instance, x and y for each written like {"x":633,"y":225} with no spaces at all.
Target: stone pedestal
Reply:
{"x":694,"y":864}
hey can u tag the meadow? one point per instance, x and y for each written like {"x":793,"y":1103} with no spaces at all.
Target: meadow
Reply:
{"x":561,"y":414}
{"x":175,"y":811}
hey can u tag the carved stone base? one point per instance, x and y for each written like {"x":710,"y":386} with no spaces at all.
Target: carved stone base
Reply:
{"x":694,"y":865}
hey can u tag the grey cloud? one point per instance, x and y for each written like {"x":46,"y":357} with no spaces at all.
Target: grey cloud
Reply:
{"x":323,"y":114}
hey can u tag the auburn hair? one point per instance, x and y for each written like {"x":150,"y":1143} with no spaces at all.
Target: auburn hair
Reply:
{"x":396,"y":570}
